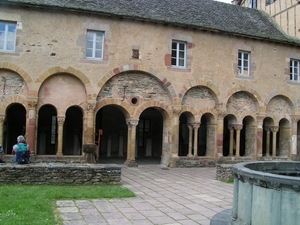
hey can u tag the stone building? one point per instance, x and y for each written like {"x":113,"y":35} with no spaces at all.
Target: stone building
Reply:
{"x":188,"y":82}
{"x":286,"y":13}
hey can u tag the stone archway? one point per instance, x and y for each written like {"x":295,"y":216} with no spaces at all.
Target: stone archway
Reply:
{"x":248,"y":138}
{"x":14,"y":125}
{"x":112,"y":128}
{"x":47,"y":130}
{"x":73,"y":128}
{"x":150,"y":134}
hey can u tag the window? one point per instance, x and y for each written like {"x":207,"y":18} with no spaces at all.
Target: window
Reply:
{"x":7,"y":36}
{"x":135,"y":54}
{"x":294,"y":70}
{"x":243,"y":63}
{"x":94,"y":44}
{"x":252,"y":4}
{"x":178,"y":54}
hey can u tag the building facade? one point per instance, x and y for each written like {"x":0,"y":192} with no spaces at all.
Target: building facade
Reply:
{"x":286,"y":13}
{"x":182,"y":82}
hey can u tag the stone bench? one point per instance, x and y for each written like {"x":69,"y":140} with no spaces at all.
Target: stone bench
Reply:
{"x":59,"y":173}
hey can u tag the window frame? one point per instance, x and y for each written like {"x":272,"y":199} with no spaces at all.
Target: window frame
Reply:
{"x":241,"y":66}
{"x":252,"y":4}
{"x":94,"y":42}
{"x":295,"y":70}
{"x":177,"y":51}
{"x":7,"y":40}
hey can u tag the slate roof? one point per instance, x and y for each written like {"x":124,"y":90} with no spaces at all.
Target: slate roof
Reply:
{"x":195,"y":14}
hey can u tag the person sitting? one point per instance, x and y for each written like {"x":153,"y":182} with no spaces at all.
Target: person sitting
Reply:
{"x":21,"y":150}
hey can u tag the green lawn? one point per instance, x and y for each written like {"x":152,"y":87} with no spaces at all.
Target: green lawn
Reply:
{"x":35,"y":204}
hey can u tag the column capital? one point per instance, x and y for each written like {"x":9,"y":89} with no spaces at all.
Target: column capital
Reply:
{"x":274,"y":128}
{"x":132,"y":122}
{"x":60,"y":120}
{"x":32,"y":103}
{"x":238,"y":127}
{"x":230,"y":127}
{"x":295,"y":118}
{"x":90,"y":106}
{"x":196,"y":125}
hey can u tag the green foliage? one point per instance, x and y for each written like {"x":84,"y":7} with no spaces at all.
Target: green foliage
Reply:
{"x":35,"y":204}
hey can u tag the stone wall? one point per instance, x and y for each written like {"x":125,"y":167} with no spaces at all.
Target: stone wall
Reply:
{"x":59,"y":173}
{"x":189,"y":162}
{"x":224,"y":172}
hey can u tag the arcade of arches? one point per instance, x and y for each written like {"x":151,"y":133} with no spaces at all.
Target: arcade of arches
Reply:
{"x":136,"y":115}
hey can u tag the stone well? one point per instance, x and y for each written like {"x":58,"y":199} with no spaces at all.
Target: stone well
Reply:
{"x":266,"y":193}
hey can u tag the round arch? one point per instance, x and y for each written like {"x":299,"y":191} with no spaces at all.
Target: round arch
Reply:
{"x":47,"y":130}
{"x":14,"y":125}
{"x":139,"y":68}
{"x":70,"y":71}
{"x":18,"y":70}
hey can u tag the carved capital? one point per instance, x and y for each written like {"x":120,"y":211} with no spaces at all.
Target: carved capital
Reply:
{"x":132,"y":122}
{"x":32,"y":103}
{"x":238,"y":127}
{"x":60,"y":120}
{"x":274,"y":128}
{"x":196,"y":125}
{"x":90,"y":106}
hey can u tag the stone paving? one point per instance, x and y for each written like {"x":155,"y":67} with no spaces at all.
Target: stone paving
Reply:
{"x":169,"y":196}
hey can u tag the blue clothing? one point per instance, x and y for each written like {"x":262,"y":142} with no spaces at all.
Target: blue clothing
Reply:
{"x":22,"y":152}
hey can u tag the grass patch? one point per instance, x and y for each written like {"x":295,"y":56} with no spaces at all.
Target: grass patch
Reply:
{"x":230,"y":181}
{"x":35,"y":204}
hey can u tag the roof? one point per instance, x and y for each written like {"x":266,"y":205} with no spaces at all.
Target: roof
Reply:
{"x":195,"y":14}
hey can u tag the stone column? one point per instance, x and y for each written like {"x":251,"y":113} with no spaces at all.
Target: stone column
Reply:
{"x":259,"y":136}
{"x":31,"y":125}
{"x":60,"y":122}
{"x":274,"y":130}
{"x":190,"y":140}
{"x":131,"y":142}
{"x":89,"y":137}
{"x":238,"y":128}
{"x":196,"y":127}
{"x":267,"y":141}
{"x":220,"y":130}
{"x":230,"y":127}
{"x":175,"y":130}
{"x":211,"y":137}
{"x":294,"y":132}
{"x":2,"y":118}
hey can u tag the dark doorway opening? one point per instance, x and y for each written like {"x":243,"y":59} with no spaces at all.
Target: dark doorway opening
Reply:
{"x":72,"y":137}
{"x":47,"y":130}
{"x":14,"y":125}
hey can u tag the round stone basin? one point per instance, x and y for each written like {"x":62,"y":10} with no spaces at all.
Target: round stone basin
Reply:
{"x":266,"y":193}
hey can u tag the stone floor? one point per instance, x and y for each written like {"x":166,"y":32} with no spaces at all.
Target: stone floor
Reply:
{"x":173,"y":196}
